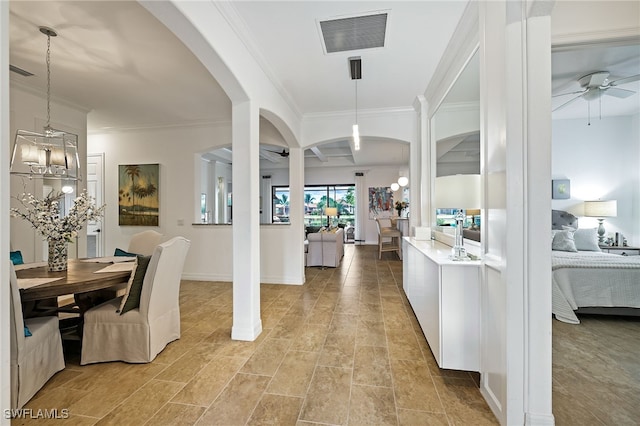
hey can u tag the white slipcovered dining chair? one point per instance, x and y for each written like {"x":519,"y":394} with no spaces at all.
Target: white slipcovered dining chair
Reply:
{"x":144,"y":242}
{"x":385,"y":232}
{"x":36,"y":358}
{"x":140,"y":334}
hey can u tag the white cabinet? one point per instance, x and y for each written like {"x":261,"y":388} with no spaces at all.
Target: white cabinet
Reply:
{"x":445,"y":296}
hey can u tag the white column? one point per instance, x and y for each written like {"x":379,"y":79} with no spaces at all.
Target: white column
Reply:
{"x":246,"y":222}
{"x":538,"y":347}
{"x":5,"y":387}
{"x":362,"y":206}
{"x":296,"y":208}
{"x":515,"y":76}
{"x":421,"y":169}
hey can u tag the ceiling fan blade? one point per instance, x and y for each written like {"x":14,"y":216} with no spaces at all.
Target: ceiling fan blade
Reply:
{"x":618,"y":93}
{"x":567,"y":103}
{"x":568,"y":93}
{"x":625,"y":80}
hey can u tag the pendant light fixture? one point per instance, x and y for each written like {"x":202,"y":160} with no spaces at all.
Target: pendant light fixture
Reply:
{"x":403,"y":180}
{"x":52,"y":154}
{"x":355,"y":68}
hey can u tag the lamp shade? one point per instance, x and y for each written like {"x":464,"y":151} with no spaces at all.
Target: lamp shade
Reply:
{"x":395,"y":186}
{"x":403,"y":181}
{"x":331,"y":211}
{"x":458,"y":192}
{"x":601,"y":208}
{"x":473,"y":212}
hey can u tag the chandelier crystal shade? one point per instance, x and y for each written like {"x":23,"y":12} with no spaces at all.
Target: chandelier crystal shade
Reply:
{"x":52,"y":153}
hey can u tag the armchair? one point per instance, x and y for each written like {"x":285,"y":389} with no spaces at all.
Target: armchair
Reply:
{"x":325,"y":248}
{"x":140,"y":334}
{"x":36,"y":358}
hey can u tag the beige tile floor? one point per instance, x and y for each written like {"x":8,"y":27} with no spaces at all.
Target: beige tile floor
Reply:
{"x":345,"y":348}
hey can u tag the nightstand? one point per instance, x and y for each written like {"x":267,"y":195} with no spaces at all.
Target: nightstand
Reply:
{"x":623,"y":251}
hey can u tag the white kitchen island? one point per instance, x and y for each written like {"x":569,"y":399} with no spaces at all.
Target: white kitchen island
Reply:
{"x":445,"y":296}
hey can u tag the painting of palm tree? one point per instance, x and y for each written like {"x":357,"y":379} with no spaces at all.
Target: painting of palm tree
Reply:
{"x":138,"y":201}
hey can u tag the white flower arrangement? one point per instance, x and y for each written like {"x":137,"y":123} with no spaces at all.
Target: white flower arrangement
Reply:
{"x":44,"y":215}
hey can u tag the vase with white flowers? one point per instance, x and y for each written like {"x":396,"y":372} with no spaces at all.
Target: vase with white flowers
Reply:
{"x":45,"y":217}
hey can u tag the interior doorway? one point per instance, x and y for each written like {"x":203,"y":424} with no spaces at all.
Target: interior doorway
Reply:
{"x":95,"y":189}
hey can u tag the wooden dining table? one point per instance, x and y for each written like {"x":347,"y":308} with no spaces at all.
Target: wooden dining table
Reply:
{"x":81,"y":280}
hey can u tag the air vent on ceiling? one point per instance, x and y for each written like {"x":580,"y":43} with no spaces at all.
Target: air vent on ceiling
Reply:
{"x":359,"y":32}
{"x":20,"y":71}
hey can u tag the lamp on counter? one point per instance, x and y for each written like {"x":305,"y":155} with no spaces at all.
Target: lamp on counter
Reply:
{"x":601,"y":209}
{"x":52,"y":153}
{"x":330,"y":212}
{"x":458,"y":192}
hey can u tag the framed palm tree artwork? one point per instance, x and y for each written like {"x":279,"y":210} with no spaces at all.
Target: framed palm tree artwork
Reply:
{"x":138,"y":194}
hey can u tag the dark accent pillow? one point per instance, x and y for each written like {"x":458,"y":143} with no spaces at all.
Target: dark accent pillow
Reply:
{"x":120,"y":252}
{"x":131,"y":300}
{"x":16,"y":257}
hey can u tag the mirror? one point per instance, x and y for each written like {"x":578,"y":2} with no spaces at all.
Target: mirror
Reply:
{"x":455,"y":128}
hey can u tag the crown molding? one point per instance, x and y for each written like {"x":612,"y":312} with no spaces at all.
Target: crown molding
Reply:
{"x":370,"y":113}
{"x":163,"y":126}
{"x":240,"y":27}
{"x":14,"y":84}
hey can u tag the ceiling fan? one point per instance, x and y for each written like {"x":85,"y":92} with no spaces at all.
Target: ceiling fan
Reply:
{"x":284,"y":153}
{"x":596,"y":84}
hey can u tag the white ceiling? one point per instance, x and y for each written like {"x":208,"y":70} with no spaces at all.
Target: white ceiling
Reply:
{"x":118,"y":62}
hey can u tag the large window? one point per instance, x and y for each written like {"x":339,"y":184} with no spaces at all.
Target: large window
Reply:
{"x":316,"y":199}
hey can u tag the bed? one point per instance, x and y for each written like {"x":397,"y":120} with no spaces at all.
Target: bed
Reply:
{"x":586,"y":280}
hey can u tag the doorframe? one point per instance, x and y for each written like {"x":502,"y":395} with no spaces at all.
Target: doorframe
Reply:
{"x":101,"y":187}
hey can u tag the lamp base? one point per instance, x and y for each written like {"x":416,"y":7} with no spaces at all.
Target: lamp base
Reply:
{"x":601,"y":231}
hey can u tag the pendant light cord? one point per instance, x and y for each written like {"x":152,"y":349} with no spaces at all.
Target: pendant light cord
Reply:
{"x":356,"y":102}
{"x":48,"y":80}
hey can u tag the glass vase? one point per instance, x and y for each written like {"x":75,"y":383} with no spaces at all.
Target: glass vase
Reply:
{"x":57,"y":259}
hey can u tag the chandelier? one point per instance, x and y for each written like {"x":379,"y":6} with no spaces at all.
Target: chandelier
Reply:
{"x":52,"y":153}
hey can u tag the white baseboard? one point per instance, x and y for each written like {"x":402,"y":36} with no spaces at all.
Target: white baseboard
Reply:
{"x":207,"y":277}
{"x":536,"y":419}
{"x":228,"y":278}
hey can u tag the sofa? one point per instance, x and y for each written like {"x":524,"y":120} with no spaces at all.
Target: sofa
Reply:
{"x":325,"y":248}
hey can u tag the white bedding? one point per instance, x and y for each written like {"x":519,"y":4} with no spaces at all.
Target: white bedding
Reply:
{"x":588,"y":279}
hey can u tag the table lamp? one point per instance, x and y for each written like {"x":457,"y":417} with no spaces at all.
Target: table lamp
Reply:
{"x":330,"y":212}
{"x":458,"y":192}
{"x":601,"y":209}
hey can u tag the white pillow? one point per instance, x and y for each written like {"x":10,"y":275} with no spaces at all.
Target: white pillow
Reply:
{"x":564,"y":241}
{"x":586,"y":239}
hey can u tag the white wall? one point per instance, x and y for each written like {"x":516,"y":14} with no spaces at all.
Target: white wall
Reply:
{"x":601,"y":161}
{"x":28,"y":112}
{"x":176,"y":149}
